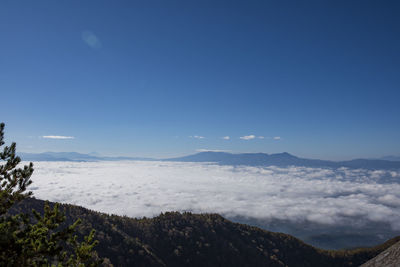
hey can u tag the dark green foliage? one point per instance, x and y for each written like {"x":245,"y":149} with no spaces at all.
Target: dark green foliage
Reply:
{"x":35,"y":239}
{"x":13,"y":181}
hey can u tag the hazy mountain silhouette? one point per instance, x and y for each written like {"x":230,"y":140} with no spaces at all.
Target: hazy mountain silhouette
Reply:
{"x":249,"y":159}
{"x":71,"y":156}
{"x":284,"y":160}
{"x":391,"y":158}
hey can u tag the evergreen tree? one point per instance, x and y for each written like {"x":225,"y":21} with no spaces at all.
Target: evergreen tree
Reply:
{"x":35,"y":239}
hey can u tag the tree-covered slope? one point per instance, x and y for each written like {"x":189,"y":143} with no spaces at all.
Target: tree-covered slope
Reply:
{"x":183,"y":239}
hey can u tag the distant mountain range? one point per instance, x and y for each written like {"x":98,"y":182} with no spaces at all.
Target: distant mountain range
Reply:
{"x":249,"y":159}
{"x":284,"y":160}
{"x":71,"y":156}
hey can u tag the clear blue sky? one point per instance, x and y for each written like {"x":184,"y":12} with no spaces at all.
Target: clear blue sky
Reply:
{"x":142,"y":78}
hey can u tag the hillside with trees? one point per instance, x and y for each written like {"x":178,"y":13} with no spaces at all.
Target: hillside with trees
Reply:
{"x":182,"y":239}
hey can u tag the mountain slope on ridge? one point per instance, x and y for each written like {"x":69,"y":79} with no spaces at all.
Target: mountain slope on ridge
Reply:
{"x":182,"y":239}
{"x":388,"y":258}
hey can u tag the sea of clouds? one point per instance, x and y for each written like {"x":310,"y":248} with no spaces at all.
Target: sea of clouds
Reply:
{"x":147,"y":188}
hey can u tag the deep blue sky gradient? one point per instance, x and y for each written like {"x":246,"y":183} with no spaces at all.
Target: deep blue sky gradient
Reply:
{"x":322,"y":75}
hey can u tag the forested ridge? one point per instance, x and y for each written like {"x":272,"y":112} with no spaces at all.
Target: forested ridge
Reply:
{"x":183,"y":239}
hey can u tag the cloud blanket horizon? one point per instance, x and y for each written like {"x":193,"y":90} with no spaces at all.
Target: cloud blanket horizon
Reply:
{"x":147,"y":188}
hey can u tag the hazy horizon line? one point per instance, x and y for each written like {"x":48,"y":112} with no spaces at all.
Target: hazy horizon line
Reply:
{"x":197,"y":151}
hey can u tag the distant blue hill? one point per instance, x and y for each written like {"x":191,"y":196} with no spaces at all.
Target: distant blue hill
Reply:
{"x":283,"y":160}
{"x":391,"y":158}
{"x":71,"y":156}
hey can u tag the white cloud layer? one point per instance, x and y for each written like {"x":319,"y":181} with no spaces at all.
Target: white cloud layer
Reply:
{"x":57,"y":137}
{"x":140,"y":188}
{"x":277,"y":138}
{"x":226,"y":137}
{"x":247,"y":137}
